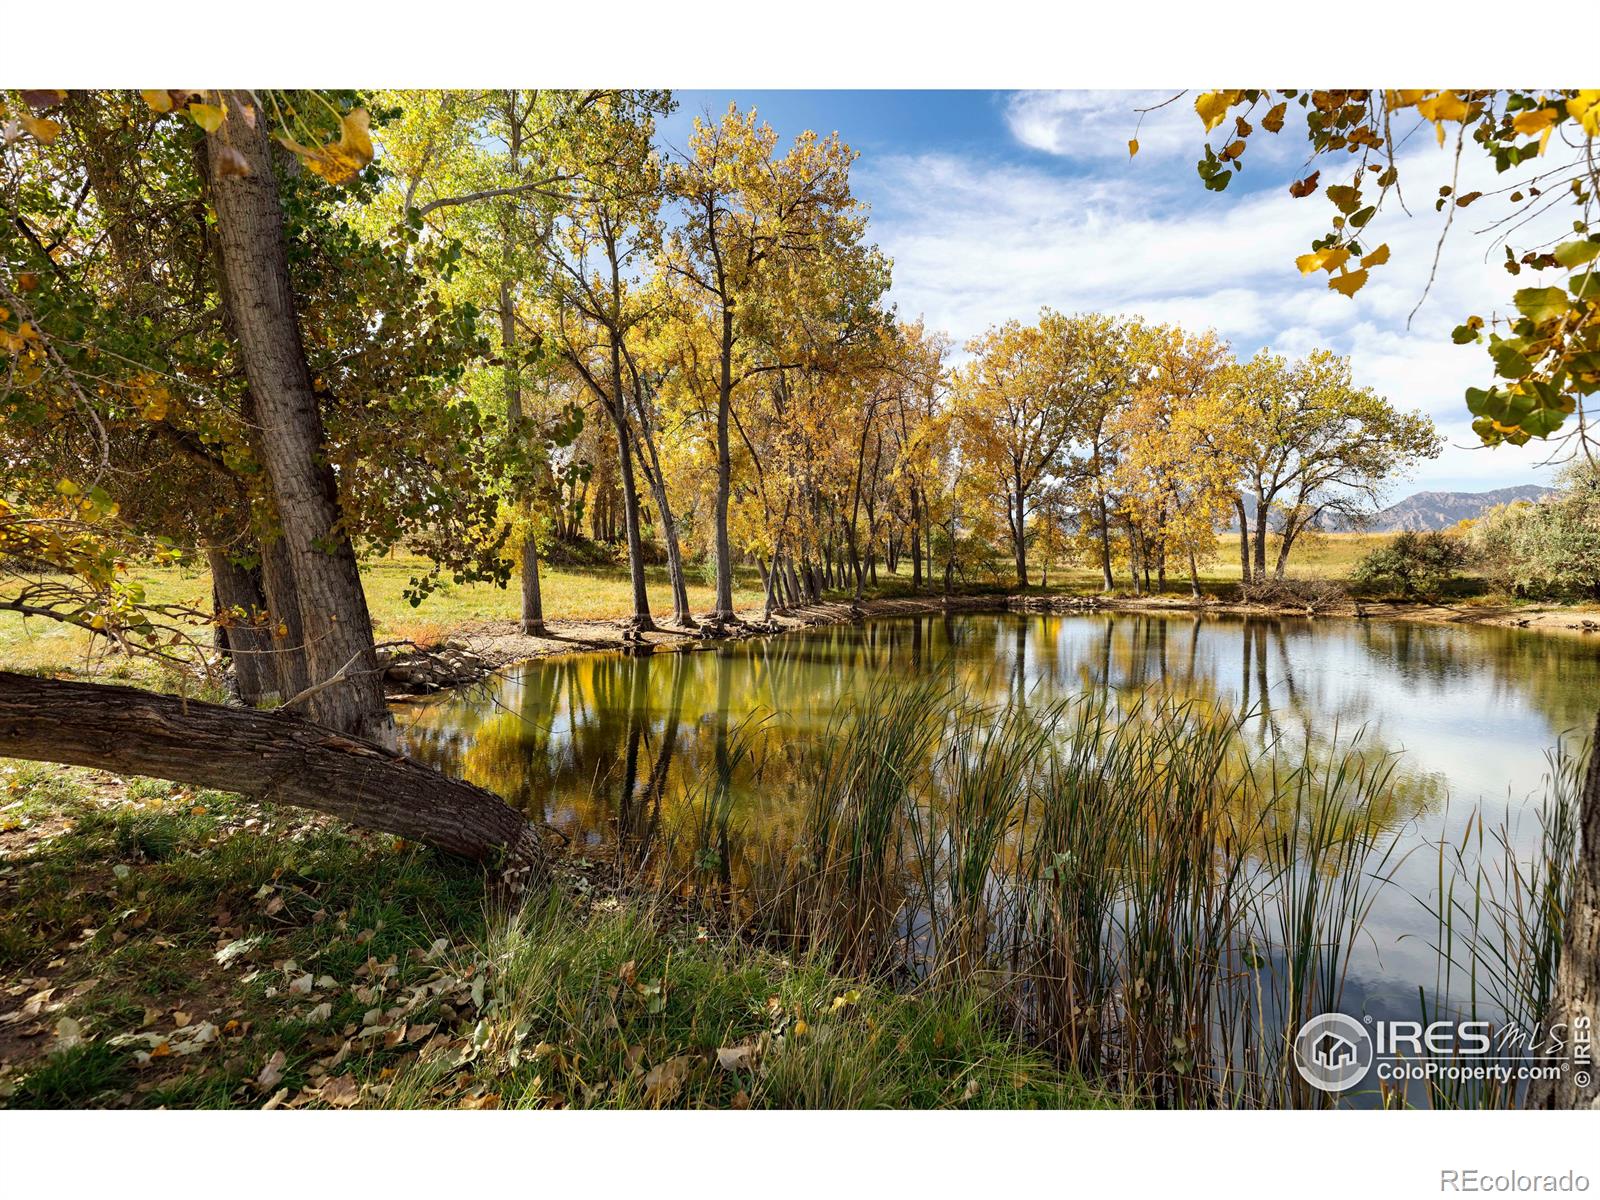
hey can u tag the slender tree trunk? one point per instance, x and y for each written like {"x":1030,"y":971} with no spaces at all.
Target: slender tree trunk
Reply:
{"x":682,"y":616}
{"x":1291,"y":530}
{"x":1194,"y":577}
{"x":532,"y":594}
{"x":916,"y":539}
{"x":268,"y":755}
{"x":723,"y":612}
{"x":650,"y":463}
{"x":1261,"y":536}
{"x":260,"y":301}
{"x":1108,"y":580}
{"x":1019,"y":543}
{"x":246,"y":638}
{"x":1244,"y":540}
{"x":630,"y":516}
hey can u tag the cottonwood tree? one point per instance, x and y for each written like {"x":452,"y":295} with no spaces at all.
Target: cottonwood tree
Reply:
{"x":756,"y":233}
{"x":1104,"y":383}
{"x":599,"y":249}
{"x":146,"y":396}
{"x":1308,"y":442}
{"x":1013,"y":402}
{"x":51,"y":362}
{"x":1174,"y":489}
{"x":487,"y":171}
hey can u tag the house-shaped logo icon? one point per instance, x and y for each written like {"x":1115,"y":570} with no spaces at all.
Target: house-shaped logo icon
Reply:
{"x":1333,"y":1052}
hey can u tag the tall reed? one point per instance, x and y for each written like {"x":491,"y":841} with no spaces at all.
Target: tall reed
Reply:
{"x":1151,"y":892}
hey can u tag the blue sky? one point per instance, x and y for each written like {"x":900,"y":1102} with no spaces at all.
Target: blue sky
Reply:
{"x":995,"y":203}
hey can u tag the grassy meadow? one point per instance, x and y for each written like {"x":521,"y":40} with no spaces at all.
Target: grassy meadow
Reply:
{"x":589,"y":593}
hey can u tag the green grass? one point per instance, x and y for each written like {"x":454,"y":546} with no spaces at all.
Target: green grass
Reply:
{"x":570,"y":593}
{"x":384,"y":974}
{"x":620,"y":1009}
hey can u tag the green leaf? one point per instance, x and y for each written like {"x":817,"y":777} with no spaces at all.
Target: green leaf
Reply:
{"x":1541,"y":304}
{"x":1575,"y":254}
{"x":1509,"y":362}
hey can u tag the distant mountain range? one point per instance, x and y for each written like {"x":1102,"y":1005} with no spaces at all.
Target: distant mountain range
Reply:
{"x":1426,"y":510}
{"x":1441,"y":510}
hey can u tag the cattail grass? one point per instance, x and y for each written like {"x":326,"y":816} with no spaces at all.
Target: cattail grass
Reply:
{"x":1157,"y":898}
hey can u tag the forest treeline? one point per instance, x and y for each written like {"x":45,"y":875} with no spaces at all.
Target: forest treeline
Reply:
{"x":504,"y":316}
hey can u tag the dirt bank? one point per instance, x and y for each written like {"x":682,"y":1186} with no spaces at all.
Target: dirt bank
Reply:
{"x":500,"y":642}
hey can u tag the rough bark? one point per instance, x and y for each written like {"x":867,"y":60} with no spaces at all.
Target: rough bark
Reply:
{"x":261,"y":308}
{"x":283,"y":603}
{"x":247,"y":643}
{"x":265,"y":755}
{"x":1262,"y":524}
{"x":1019,"y":542}
{"x":532,"y":597}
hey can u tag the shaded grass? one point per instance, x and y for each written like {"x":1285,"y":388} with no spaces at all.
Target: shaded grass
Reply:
{"x":383,"y":973}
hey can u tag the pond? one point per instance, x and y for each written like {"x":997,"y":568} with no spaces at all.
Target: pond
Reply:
{"x":611,"y":749}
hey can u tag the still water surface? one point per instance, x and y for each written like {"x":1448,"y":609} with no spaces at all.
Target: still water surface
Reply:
{"x":605,"y":746}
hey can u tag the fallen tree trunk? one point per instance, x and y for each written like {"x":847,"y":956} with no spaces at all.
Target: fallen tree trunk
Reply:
{"x":266,"y":755}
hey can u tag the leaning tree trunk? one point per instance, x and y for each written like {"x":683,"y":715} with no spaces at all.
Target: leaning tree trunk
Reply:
{"x":265,"y":755}
{"x":1577,"y":1000}
{"x":259,"y":299}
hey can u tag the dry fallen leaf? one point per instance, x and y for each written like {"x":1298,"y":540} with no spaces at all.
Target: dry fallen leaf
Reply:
{"x":272,"y":1072}
{"x":738,"y":1058}
{"x":666,"y":1079}
{"x":341,"y":1092}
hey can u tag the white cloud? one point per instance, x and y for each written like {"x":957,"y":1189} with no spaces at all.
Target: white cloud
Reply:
{"x":1090,"y":125}
{"x":977,"y":242}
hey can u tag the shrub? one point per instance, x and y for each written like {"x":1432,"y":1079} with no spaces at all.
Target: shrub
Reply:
{"x":1549,"y":550}
{"x":1414,"y":564}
